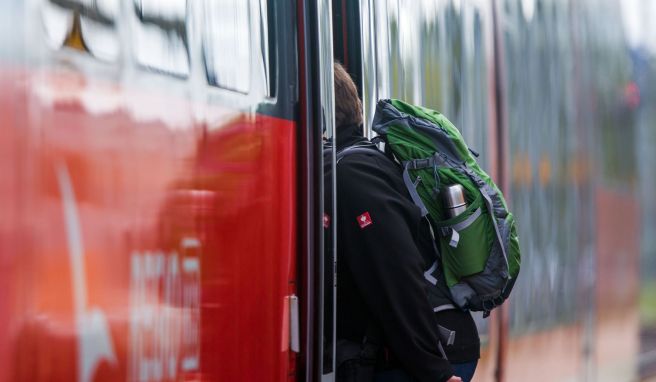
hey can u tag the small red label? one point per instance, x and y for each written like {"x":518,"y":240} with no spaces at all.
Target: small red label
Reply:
{"x":365,"y":220}
{"x":326,"y":220}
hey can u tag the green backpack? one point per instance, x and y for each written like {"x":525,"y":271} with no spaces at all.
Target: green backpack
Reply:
{"x":479,"y":248}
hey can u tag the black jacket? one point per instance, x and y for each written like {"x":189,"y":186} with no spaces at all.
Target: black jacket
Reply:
{"x":384,"y":248}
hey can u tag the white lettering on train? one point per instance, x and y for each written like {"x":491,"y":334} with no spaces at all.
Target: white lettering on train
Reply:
{"x":165,"y":313}
{"x":93,"y":337}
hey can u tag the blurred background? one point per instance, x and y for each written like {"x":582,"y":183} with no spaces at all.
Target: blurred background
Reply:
{"x":566,"y":122}
{"x":175,"y":122}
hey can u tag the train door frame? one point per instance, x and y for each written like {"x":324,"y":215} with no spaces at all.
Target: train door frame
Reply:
{"x":316,"y":116}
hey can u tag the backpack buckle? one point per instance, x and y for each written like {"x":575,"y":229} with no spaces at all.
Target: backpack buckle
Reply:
{"x":421,"y":163}
{"x":491,"y":303}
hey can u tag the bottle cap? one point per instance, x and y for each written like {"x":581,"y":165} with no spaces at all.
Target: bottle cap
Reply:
{"x":453,"y":196}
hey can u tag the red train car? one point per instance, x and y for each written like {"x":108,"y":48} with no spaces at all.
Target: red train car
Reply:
{"x":157,"y":190}
{"x":161,"y":179}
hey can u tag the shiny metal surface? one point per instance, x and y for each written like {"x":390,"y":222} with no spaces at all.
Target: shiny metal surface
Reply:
{"x":161,"y":39}
{"x":646,"y":141}
{"x":96,"y":20}
{"x":546,"y":93}
{"x":570,"y":139}
{"x":438,"y":54}
{"x":453,"y":199}
{"x":327,"y":103}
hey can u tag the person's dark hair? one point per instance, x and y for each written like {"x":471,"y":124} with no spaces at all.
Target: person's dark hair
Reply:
{"x":348,"y":107}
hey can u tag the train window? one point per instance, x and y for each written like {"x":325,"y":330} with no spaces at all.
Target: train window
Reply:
{"x":227,"y":44}
{"x":57,"y":22}
{"x":97,"y":26}
{"x":87,"y":25}
{"x":100,"y":11}
{"x":161,"y":41}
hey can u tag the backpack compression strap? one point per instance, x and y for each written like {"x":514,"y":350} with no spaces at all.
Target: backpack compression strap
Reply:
{"x":417,"y":164}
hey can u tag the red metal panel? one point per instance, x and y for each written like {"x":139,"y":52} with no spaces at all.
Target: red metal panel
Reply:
{"x":143,"y":249}
{"x":9,"y":233}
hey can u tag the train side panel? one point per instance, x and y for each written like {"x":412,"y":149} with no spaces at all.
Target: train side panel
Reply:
{"x":150,"y":222}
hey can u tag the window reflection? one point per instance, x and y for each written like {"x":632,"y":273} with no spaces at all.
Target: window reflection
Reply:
{"x":99,"y":33}
{"x":161,"y":36}
{"x":226,"y":44}
{"x":446,"y":68}
{"x":562,"y":111}
{"x":100,"y":11}
{"x":90,"y":22}
{"x":57,"y":22}
{"x":268,"y":45}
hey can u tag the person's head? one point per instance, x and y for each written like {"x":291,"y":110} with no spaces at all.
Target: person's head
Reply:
{"x":348,"y":107}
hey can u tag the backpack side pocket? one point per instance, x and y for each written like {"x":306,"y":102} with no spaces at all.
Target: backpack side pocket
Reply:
{"x":464,"y":242}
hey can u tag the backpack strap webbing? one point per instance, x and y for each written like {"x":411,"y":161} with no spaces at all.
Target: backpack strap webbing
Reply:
{"x":436,"y":160}
{"x":412,"y":189}
{"x":433,"y":162}
{"x":366,"y":147}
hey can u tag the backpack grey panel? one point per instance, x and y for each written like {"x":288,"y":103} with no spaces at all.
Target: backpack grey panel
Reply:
{"x":504,"y":227}
{"x":499,"y":210}
{"x":488,"y":283}
{"x":462,"y":294}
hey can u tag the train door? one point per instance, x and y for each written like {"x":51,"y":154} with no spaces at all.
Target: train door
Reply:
{"x":328,"y":31}
{"x":335,"y":37}
{"x":316,"y":162}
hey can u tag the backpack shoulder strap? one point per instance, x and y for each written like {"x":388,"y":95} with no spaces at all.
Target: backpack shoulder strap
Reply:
{"x":366,"y":147}
{"x":369,"y":147}
{"x":412,"y":189}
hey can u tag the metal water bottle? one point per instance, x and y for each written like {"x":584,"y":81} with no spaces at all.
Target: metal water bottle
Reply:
{"x":453,"y":198}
